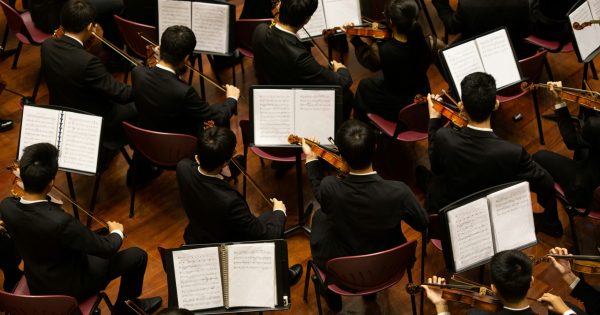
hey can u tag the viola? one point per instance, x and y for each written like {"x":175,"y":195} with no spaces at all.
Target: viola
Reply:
{"x":578,"y":96}
{"x":324,"y":153}
{"x":444,"y":109}
{"x":475,"y":296}
{"x":579,"y":26}
{"x":579,"y":263}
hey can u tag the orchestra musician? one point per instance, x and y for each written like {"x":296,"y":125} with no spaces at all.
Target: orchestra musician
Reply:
{"x":78,"y":79}
{"x":216,"y":212}
{"x":63,"y":257}
{"x":579,"y":176}
{"x":454,"y":155}
{"x":361,"y":213}
{"x":512,"y":275}
{"x":164,"y":103}
{"x":403,"y":59}
{"x":549,"y":19}
{"x":280,"y":58}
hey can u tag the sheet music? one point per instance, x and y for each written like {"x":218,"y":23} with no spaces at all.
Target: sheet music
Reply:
{"x":198,"y":278}
{"x":588,"y":39}
{"x":80,"y":142}
{"x":316,"y":25}
{"x":462,"y":60}
{"x":172,"y":12}
{"x":512,"y":217}
{"x":210,"y":24}
{"x":273,"y":116}
{"x":470,"y":234}
{"x":338,"y":12}
{"x":39,"y":125}
{"x":594,"y":8}
{"x":252,"y":281}
{"x":498,"y":58}
{"x":315,"y":114}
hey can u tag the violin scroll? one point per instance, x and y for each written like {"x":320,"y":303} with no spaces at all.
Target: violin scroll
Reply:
{"x":413,"y":289}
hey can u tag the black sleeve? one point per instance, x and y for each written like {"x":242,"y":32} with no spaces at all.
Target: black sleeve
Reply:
{"x":434,"y":125}
{"x":367,"y":54}
{"x":200,"y":110}
{"x":315,"y":176}
{"x":97,"y":77}
{"x":270,"y":225}
{"x":452,"y":20}
{"x":312,"y":71}
{"x":572,"y":138}
{"x":589,"y":295}
{"x":75,"y":236}
{"x":415,"y":215}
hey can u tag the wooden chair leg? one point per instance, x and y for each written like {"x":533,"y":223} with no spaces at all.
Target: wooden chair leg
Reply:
{"x":538,"y":117}
{"x":317,"y":286}
{"x":133,"y":184}
{"x":17,"y":54}
{"x":306,"y":281}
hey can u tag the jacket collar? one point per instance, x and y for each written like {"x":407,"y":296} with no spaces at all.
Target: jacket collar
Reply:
{"x":71,"y":41}
{"x":478,"y":133}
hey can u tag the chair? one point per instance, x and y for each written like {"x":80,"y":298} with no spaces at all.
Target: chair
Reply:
{"x":244,"y":28}
{"x":411,"y":125}
{"x":26,"y":32}
{"x":433,"y":233}
{"x":531,"y":68}
{"x":22,"y":303}
{"x":130,"y":31}
{"x":278,"y":155}
{"x":164,"y":150}
{"x":592,"y":211}
{"x":363,"y":274}
{"x":554,"y":47}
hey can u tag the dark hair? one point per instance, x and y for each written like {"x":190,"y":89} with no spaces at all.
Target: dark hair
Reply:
{"x":478,"y":95}
{"x":356,"y":142}
{"x":511,"y":274}
{"x":176,"y":43}
{"x":402,"y":13}
{"x":76,"y":15}
{"x":175,"y":311}
{"x":215,"y":147}
{"x":295,"y":12}
{"x":38,"y":166}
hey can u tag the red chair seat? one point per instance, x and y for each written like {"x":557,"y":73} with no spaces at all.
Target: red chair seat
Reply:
{"x":37,"y":35}
{"x":508,"y":98}
{"x":261,"y":152}
{"x":437,"y":244}
{"x":389,"y":127}
{"x":549,"y":44}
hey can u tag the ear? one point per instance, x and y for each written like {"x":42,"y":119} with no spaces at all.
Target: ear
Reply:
{"x":496,"y":105}
{"x":90,"y":27}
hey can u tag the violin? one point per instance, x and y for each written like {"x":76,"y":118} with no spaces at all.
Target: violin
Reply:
{"x":579,"y":26}
{"x":326,"y":154}
{"x":578,"y":96}
{"x":444,"y":109}
{"x":579,"y":263}
{"x":374,"y":30}
{"x":474,"y":296}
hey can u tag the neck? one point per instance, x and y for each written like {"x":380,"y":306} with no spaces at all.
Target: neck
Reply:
{"x":214,"y":172}
{"x":362,"y":170}
{"x":400,"y":37}
{"x":82,"y":36}
{"x":168,"y":65}
{"x":288,"y":27}
{"x":520,"y":304}
{"x":484,"y":124}
{"x":33,"y":196}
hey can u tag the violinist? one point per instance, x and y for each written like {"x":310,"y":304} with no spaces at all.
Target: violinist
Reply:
{"x":78,"y":79}
{"x":361,"y":213}
{"x":62,"y":256}
{"x":475,"y":158}
{"x":403,"y":59}
{"x":512,"y":275}
{"x":580,"y":175}
{"x":280,"y":58}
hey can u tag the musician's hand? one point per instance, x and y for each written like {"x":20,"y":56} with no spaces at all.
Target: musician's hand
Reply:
{"x":232,"y":91}
{"x":310,"y":155}
{"x":278,"y":205}
{"x":347,"y":25}
{"x":432,"y":112}
{"x":563,"y":266}
{"x":337,"y":65}
{"x":156,"y":51}
{"x":434,"y":294}
{"x":112,"y":226}
{"x":554,"y":303}
{"x":552,"y":85}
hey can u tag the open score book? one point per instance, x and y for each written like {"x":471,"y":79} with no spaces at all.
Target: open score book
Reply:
{"x":500,"y":221}
{"x":330,"y":14}
{"x":587,"y":40}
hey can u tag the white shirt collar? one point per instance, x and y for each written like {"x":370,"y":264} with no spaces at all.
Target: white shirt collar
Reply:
{"x":219,"y":176}
{"x":158,"y":65}
{"x":75,"y":38}
{"x":284,"y":30}
{"x":480,"y":129}
{"x":363,"y":174}
{"x":28,"y":202}
{"x":516,"y":309}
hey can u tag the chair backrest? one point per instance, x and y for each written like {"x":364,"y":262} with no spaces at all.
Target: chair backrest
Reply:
{"x":130,"y":32}
{"x":434,"y":229}
{"x":372,"y":271}
{"x":244,"y":28}
{"x":415,"y":117}
{"x":38,"y":304}
{"x":161,"y":148}
{"x":15,"y":22}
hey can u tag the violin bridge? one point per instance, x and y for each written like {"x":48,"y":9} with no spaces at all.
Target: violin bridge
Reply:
{"x":482,"y":291}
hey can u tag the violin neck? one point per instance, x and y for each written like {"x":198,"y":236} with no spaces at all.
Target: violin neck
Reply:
{"x":577,"y":257}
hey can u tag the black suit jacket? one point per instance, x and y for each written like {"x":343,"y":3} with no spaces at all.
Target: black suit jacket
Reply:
{"x":55,"y":247}
{"x":589,"y":295}
{"x":549,"y":19}
{"x":504,"y":311}
{"x":218,"y":213}
{"x":77,"y":79}
{"x":363,"y":212}
{"x":46,"y":14}
{"x":281,"y":58}
{"x":166,"y":104}
{"x":467,"y":161}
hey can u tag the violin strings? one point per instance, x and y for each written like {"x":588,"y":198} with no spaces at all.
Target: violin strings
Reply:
{"x":117,"y":50}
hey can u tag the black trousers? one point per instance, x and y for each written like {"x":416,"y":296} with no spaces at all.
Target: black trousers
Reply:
{"x":129,"y":264}
{"x":113,"y":136}
{"x":9,"y":263}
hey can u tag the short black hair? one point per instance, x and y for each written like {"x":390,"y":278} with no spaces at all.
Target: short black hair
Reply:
{"x":402,"y":13}
{"x":76,"y":15}
{"x":215,"y":147}
{"x":295,"y":12}
{"x":38,"y":166}
{"x":176,"y":43}
{"x":478,"y":95}
{"x":511,"y":274}
{"x":356,"y":142}
{"x":175,"y":311}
